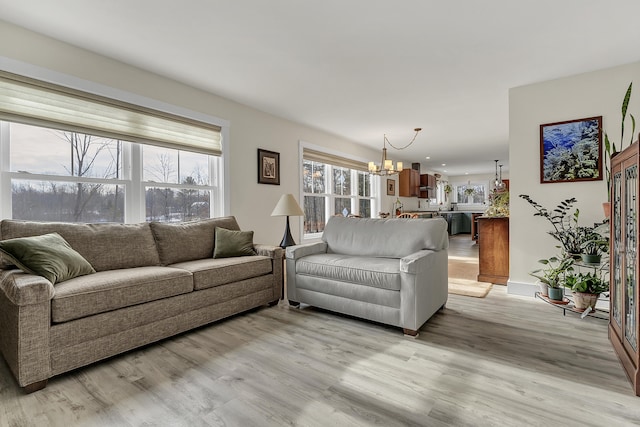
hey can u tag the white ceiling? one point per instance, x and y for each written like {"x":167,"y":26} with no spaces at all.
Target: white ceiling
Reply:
{"x":359,"y":68}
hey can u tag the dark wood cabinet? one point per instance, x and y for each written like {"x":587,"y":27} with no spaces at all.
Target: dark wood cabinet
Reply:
{"x":474,"y":226}
{"x":409,"y":185}
{"x":623,"y":282}
{"x":493,"y":251}
{"x":427,"y":186}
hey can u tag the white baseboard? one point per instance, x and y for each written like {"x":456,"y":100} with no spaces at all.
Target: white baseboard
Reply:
{"x":522,"y":288}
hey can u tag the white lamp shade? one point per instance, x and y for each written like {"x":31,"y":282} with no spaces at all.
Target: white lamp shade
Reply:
{"x":287,"y":206}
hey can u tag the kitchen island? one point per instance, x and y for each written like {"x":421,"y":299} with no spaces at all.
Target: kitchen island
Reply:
{"x":458,"y":221}
{"x":493,"y":254}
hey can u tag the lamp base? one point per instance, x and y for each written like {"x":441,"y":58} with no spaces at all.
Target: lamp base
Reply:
{"x":287,"y":240}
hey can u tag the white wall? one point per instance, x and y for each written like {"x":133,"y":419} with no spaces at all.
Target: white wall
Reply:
{"x":250,"y":129}
{"x":598,"y":93}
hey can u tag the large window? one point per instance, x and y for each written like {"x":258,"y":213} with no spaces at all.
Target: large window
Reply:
{"x":471,"y":193}
{"x":177,"y":184}
{"x":68,"y":153}
{"x":334,"y":190}
{"x":56,"y":175}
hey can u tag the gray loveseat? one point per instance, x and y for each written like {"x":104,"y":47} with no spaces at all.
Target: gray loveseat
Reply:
{"x":392,"y":271}
{"x":152,"y":280}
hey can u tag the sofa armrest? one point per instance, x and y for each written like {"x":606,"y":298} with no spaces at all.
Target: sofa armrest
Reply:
{"x":273,"y":252}
{"x":24,"y":289}
{"x":299,"y":251}
{"x":411,"y":263}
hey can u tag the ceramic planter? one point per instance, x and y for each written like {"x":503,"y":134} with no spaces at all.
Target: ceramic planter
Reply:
{"x":591,"y":259}
{"x":582,"y":300}
{"x":543,"y":288}
{"x":556,"y":294}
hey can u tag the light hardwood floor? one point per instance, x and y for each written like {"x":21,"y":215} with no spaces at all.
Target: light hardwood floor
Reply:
{"x":495,"y":361}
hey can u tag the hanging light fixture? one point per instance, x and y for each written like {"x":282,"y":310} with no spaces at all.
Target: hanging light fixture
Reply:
{"x":498,"y":185}
{"x":386,"y":168}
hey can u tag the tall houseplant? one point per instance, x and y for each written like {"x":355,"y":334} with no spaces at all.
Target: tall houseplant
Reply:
{"x":564,"y":223}
{"x":610,"y":148}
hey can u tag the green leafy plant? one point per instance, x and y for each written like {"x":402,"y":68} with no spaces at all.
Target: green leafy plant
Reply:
{"x":590,"y":283}
{"x":610,"y":148}
{"x":564,"y":223}
{"x":594,"y":244}
{"x":554,"y":270}
{"x":498,"y":204}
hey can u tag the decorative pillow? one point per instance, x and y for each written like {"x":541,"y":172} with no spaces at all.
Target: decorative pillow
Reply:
{"x":230,"y":243}
{"x":48,"y":255}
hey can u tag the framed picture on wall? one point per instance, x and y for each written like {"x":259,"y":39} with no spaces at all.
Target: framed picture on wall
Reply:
{"x":268,"y":167}
{"x":391,"y":187}
{"x":571,"y":150}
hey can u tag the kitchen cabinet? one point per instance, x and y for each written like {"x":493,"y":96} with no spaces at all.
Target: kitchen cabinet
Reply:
{"x":624,"y":329}
{"x":409,"y":185}
{"x":458,"y":222}
{"x":427,"y":186}
{"x":493,"y":251}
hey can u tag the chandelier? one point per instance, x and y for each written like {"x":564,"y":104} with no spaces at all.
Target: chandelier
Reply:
{"x":386,"y":168}
{"x":498,"y":184}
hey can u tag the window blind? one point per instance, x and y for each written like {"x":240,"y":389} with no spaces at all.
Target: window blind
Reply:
{"x":39,"y":103}
{"x":319,"y":156}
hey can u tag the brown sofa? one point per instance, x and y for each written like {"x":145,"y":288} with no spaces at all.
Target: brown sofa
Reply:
{"x":152,"y":281}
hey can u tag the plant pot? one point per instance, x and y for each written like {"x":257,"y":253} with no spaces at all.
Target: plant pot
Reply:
{"x":543,"y":288}
{"x":555,"y":294}
{"x":591,"y":259}
{"x":606,"y":206}
{"x":582,"y":300}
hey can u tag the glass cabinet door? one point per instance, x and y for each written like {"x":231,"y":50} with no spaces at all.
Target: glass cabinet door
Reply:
{"x":631,"y":235}
{"x":616,"y":252}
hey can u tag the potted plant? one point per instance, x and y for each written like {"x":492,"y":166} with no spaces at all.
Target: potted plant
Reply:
{"x":611,"y":150}
{"x":553,"y":274}
{"x":564,"y":223}
{"x":586,"y":289}
{"x":447,"y":191}
{"x":469,"y":192}
{"x":498,"y":204}
{"x":593,"y":246}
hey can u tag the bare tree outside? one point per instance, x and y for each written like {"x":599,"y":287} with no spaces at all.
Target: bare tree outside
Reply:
{"x":73,"y":154}
{"x":161,"y":171}
{"x":84,"y":151}
{"x":183,"y":191}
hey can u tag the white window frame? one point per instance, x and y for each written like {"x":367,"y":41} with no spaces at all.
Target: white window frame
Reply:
{"x":134,"y":189}
{"x":330,"y":197}
{"x":465,"y":202}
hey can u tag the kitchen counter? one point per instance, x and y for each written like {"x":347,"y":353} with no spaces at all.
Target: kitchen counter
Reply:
{"x":457,"y":221}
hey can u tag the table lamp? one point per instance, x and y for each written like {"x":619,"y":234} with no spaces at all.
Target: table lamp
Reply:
{"x":287,"y":206}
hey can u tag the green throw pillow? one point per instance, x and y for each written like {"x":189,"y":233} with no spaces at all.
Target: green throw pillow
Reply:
{"x":49,"y":256}
{"x":230,"y":243}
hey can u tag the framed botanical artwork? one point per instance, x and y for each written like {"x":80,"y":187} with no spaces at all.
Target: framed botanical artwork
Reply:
{"x":268,"y":167}
{"x":391,"y":187}
{"x":571,"y":150}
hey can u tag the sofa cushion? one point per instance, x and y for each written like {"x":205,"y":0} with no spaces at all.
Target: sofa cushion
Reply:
{"x":232,"y":243}
{"x":391,"y":238}
{"x":381,"y":273}
{"x":49,"y":256}
{"x":188,"y":240}
{"x":110,"y":290}
{"x":107,"y":246}
{"x":208,"y":273}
